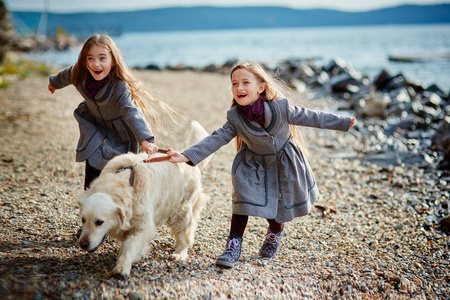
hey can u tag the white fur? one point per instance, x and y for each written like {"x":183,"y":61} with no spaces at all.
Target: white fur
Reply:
{"x":162,"y":193}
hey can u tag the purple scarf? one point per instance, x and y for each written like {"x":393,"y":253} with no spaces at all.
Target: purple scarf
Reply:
{"x":92,"y":86}
{"x":253,"y":112}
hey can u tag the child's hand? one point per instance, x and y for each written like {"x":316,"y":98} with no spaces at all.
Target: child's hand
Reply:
{"x":352,"y":122}
{"x":148,"y":147}
{"x":51,"y":88}
{"x":177,"y":157}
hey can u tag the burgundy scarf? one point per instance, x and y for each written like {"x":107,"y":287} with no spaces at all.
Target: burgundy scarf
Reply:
{"x":253,"y":112}
{"x":92,"y":86}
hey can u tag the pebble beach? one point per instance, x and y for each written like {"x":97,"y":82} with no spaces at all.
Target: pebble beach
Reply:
{"x":364,"y":239}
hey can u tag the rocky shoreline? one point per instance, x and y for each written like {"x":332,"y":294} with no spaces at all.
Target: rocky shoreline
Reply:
{"x":373,"y":234}
{"x":402,"y":122}
{"x":401,"y":114}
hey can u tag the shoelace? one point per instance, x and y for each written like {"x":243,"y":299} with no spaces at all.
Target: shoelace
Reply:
{"x":272,"y":239}
{"x":233,"y":244}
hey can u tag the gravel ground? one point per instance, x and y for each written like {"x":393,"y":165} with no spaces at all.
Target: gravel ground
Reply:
{"x":365,"y":238}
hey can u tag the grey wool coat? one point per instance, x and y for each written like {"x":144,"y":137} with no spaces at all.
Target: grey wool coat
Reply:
{"x":110,"y":123}
{"x":271,"y":177}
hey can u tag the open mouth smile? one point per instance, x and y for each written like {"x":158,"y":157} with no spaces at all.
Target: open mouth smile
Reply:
{"x":97,"y":72}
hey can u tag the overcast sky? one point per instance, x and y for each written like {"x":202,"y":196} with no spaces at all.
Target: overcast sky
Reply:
{"x":68,"y":6}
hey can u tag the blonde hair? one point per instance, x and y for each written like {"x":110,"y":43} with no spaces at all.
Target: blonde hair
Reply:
{"x":274,"y":89}
{"x":139,"y":92}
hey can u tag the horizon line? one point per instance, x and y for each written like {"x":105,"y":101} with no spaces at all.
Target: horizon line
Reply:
{"x":222,"y":6}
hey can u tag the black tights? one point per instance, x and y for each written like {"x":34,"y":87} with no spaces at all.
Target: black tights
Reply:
{"x":239,"y":222}
{"x":90,"y":174}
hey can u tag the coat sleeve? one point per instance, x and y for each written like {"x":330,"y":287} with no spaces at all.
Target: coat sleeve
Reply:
{"x":312,"y":118}
{"x":210,"y":144}
{"x":62,"y":79}
{"x":133,"y":115}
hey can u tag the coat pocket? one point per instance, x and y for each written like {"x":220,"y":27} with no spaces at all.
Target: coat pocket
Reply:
{"x":89,"y":130}
{"x":249,"y":178}
{"x":110,"y":148}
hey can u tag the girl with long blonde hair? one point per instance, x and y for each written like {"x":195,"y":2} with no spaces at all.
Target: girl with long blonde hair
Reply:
{"x":271,"y":176}
{"x":274,"y":89}
{"x":117,"y":109}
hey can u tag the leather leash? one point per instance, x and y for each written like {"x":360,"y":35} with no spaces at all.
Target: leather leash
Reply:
{"x":157,"y":159}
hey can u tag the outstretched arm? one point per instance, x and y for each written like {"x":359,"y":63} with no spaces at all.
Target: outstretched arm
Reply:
{"x":60,"y":80}
{"x":177,"y":157}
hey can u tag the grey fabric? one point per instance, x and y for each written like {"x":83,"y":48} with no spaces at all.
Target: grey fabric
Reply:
{"x":110,"y":124}
{"x":270,"y":175}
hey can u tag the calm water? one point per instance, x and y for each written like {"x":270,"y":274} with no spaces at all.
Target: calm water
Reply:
{"x":366,"y":48}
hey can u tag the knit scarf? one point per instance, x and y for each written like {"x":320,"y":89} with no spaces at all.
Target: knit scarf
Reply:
{"x":92,"y":86}
{"x":253,"y":112}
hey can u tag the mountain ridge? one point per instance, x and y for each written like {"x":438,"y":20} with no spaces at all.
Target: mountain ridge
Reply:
{"x":214,"y":18}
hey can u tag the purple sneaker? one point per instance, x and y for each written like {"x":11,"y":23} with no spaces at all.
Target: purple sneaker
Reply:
{"x":271,"y":244}
{"x":230,"y":257}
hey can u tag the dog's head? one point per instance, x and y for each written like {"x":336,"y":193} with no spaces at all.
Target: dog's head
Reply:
{"x":99,"y":215}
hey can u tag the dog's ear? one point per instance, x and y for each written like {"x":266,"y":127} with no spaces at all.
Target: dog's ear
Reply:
{"x":122,"y":218}
{"x":80,"y":200}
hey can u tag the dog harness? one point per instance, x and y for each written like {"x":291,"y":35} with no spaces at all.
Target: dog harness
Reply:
{"x":151,"y":160}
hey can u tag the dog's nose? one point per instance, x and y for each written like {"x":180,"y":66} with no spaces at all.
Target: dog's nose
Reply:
{"x":84,"y":244}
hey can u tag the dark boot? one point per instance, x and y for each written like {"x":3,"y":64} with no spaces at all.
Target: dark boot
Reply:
{"x":230,"y":257}
{"x":271,"y":244}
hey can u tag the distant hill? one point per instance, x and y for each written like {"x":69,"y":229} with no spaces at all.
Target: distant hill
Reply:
{"x":208,"y":18}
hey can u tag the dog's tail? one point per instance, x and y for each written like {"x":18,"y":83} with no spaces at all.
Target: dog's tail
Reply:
{"x":196,"y":134}
{"x":124,"y":161}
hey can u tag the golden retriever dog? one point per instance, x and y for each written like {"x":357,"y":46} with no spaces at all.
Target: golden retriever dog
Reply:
{"x":132,"y":198}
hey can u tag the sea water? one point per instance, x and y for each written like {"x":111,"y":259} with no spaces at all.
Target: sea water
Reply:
{"x":366,"y":48}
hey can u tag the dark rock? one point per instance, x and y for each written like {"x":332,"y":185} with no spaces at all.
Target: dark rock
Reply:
{"x":398,"y":81}
{"x":435,"y":89}
{"x":179,"y":67}
{"x":383,"y":158}
{"x":153,"y":67}
{"x":398,"y":109}
{"x":210,"y":68}
{"x":441,"y":142}
{"x":230,"y":63}
{"x":397,"y":158}
{"x":431,"y":99}
{"x":336,"y":67}
{"x":416,"y":86}
{"x":295,"y":69}
{"x":444,"y":164}
{"x":380,"y":81}
{"x":344,"y":83}
{"x":400,"y":95}
{"x":445,"y":224}
{"x":318,"y":80}
{"x":417,"y":107}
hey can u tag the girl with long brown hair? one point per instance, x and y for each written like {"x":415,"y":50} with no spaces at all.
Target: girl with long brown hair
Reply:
{"x":117,"y":109}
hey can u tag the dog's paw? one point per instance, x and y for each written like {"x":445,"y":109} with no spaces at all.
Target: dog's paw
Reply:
{"x":178,"y":257}
{"x":121,"y":271}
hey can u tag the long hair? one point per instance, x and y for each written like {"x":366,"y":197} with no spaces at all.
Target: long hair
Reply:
{"x":141,"y":95}
{"x":274,"y":89}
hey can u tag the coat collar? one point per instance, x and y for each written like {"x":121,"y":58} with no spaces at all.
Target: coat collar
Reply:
{"x":272,"y":121}
{"x":104,"y":93}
